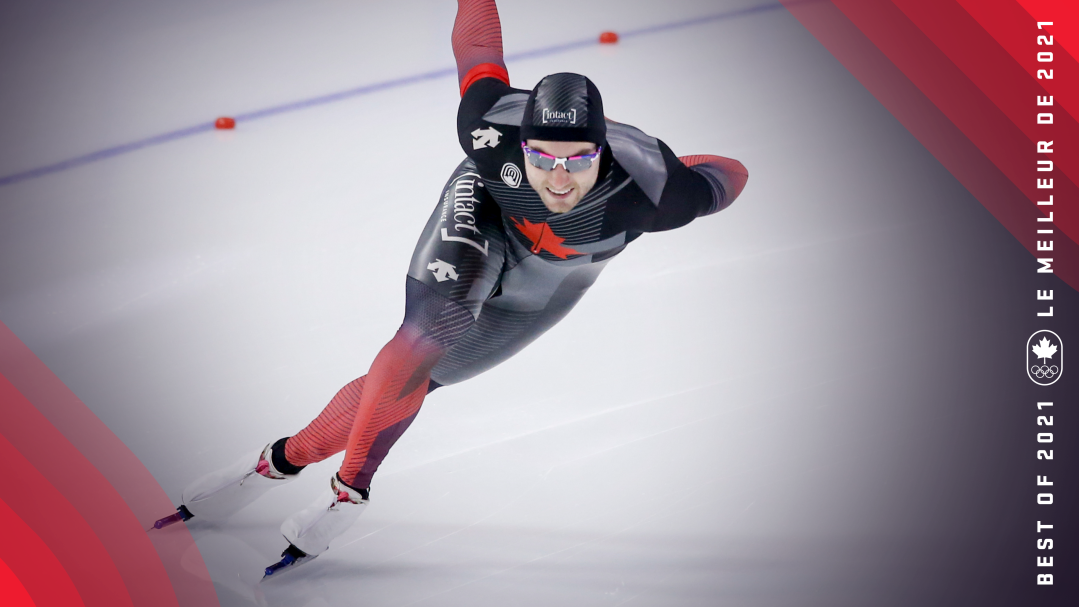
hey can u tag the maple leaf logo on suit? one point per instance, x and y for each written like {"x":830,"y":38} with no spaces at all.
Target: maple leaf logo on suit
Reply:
{"x":543,"y":238}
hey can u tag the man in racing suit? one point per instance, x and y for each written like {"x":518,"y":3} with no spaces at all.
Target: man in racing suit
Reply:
{"x":549,"y":193}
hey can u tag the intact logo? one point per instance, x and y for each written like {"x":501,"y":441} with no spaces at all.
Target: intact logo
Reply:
{"x":465,"y":205}
{"x":443,"y":271}
{"x":569,"y":117}
{"x":511,"y":175}
{"x":485,"y":138}
{"x":1045,"y":358}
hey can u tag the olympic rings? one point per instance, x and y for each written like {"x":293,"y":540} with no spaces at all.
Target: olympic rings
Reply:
{"x":1044,"y":372}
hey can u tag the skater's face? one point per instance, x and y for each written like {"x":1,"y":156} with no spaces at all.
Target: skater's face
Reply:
{"x":559,"y":189}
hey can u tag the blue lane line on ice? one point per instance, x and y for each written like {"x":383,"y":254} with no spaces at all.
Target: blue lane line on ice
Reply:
{"x":363,"y":90}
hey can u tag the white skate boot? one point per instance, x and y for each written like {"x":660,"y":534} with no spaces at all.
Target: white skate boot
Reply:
{"x":220,"y":494}
{"x":310,"y":530}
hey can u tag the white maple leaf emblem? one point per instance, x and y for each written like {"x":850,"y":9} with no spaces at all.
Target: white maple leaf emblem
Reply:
{"x":1043,"y":349}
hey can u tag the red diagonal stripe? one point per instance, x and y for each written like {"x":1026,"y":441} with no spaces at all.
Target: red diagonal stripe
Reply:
{"x":1063,"y":14}
{"x":998,"y":113}
{"x":999,"y":18}
{"x":849,"y":40}
{"x":979,"y":119}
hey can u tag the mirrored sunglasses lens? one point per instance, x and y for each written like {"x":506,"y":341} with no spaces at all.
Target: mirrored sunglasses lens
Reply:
{"x":574,"y":165}
{"x":544,"y":162}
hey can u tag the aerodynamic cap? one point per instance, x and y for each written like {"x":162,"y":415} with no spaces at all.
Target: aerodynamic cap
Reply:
{"x":564,"y":107}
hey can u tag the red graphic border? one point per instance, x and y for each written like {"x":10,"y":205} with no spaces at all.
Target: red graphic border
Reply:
{"x":962,"y":78}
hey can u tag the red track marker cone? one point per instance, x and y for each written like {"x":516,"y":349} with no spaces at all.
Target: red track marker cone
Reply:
{"x":608,"y":38}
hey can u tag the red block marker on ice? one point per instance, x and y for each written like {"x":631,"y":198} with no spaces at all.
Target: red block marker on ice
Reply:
{"x":608,"y":38}
{"x":225,"y":123}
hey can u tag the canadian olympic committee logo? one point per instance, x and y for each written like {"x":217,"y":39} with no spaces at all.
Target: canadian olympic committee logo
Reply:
{"x":1045,"y":358}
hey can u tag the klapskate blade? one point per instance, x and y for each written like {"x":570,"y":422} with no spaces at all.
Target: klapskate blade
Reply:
{"x":287,"y":563}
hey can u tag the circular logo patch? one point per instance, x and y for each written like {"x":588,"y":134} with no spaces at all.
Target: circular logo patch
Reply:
{"x":511,"y":175}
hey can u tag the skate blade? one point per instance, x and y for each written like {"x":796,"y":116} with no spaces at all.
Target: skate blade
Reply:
{"x":181,"y":514}
{"x":287,"y":563}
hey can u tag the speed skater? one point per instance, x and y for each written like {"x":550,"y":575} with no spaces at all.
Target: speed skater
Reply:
{"x":549,"y":192}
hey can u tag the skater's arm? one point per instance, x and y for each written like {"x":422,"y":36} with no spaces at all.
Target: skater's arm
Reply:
{"x":696,"y":186}
{"x":477,"y":43}
{"x":676,"y":190}
{"x":726,"y":178}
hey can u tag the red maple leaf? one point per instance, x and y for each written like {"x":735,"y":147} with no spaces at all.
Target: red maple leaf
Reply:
{"x":543,"y":238}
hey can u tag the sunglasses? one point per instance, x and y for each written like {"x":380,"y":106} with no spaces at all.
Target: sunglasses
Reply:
{"x":572,"y":164}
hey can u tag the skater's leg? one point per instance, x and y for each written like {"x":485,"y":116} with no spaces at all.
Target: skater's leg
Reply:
{"x":398,"y":380}
{"x":460,"y":262}
{"x":220,"y":494}
{"x":534,"y":296}
{"x":454,"y":269}
{"x":393,"y":391}
{"x":327,"y":434}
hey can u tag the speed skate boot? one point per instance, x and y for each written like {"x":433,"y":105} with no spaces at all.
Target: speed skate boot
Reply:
{"x":310,"y":530}
{"x":220,"y":494}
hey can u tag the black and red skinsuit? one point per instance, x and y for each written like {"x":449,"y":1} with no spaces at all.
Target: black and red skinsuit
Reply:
{"x":494,"y":269}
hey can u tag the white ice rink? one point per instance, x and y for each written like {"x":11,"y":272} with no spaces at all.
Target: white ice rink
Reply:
{"x":725,"y":419}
